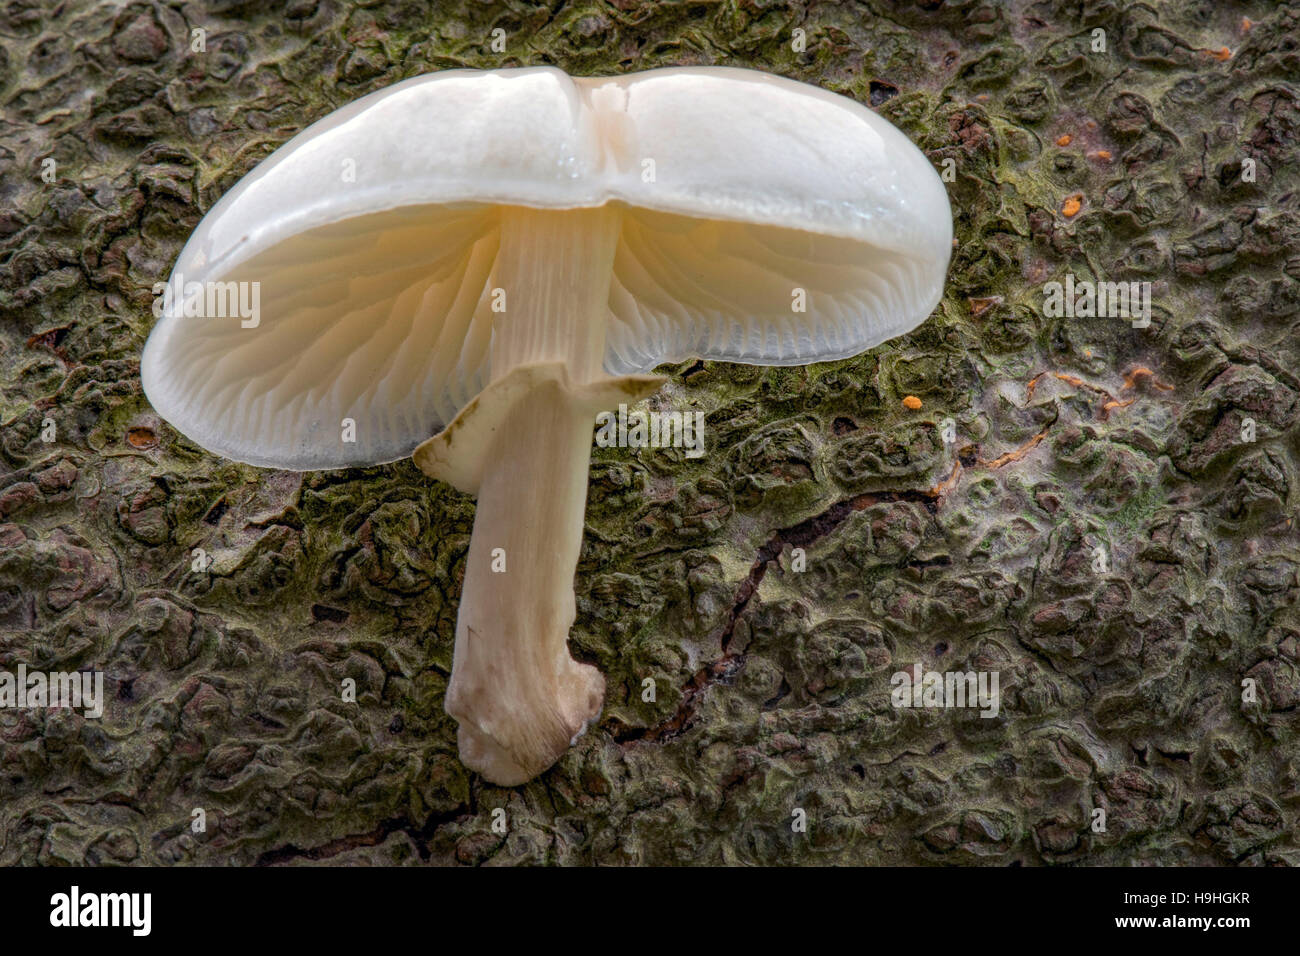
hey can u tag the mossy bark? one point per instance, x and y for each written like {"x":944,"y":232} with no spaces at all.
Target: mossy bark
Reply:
{"x":1100,"y":530}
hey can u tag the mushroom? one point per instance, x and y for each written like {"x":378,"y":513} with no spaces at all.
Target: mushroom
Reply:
{"x":468,"y":266}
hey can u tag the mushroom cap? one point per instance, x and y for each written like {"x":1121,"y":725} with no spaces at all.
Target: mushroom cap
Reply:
{"x":372,"y":237}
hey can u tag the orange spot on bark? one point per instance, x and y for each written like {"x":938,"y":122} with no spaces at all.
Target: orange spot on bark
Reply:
{"x":141,"y":437}
{"x":1072,"y":206}
{"x":1064,"y":139}
{"x":980,"y":306}
{"x":912,"y":402}
{"x":1143,"y":372}
{"x":1016,"y":455}
{"x":1221,"y":54}
{"x":947,"y":485}
{"x":1103,"y":154}
{"x":1130,"y":382}
{"x":1064,"y":377}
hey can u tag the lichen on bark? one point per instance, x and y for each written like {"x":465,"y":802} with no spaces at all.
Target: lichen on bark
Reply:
{"x":1168,"y":156}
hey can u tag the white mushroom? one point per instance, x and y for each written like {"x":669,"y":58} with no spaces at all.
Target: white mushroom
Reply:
{"x":490,"y":258}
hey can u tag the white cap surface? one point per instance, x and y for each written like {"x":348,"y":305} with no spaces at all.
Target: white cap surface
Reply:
{"x":372,"y":236}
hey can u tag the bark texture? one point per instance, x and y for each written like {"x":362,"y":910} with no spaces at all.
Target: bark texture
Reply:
{"x":1100,"y":532}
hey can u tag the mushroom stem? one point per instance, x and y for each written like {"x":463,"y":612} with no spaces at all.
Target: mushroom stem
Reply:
{"x":520,"y":698}
{"x":555,"y":268}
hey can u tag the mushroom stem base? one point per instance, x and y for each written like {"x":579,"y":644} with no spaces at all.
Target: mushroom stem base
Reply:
{"x":521,"y":700}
